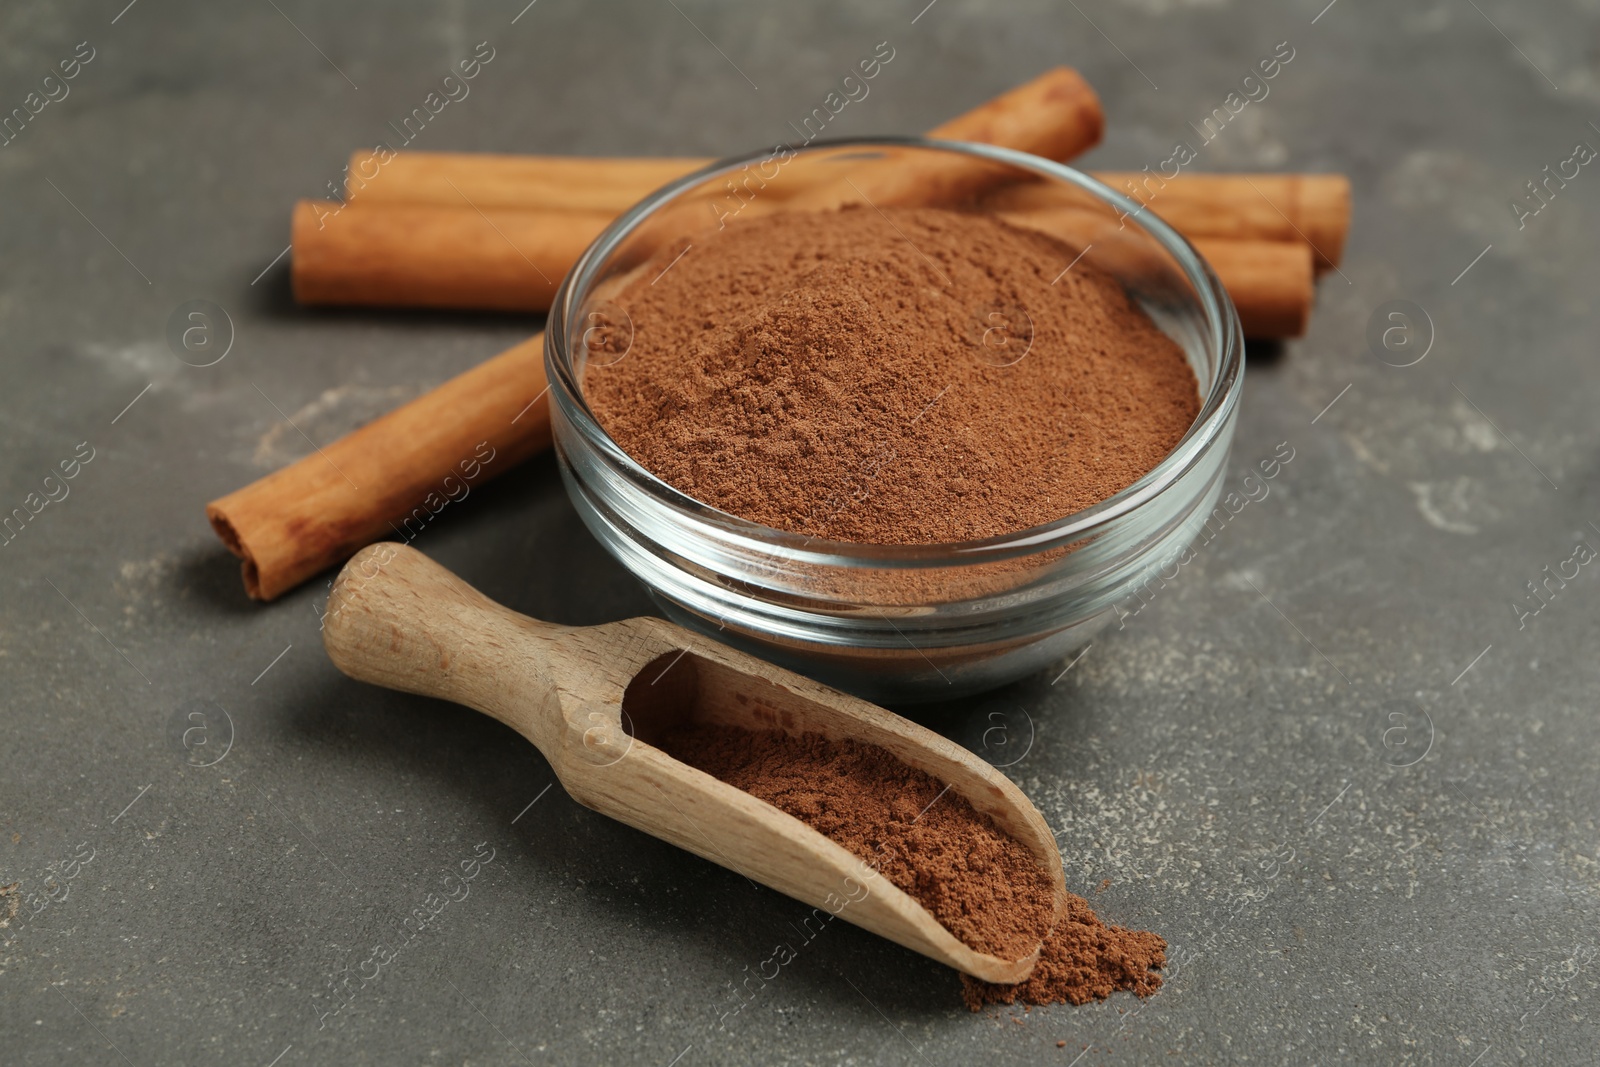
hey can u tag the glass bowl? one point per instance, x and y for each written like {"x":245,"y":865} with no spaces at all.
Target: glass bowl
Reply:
{"x":897,"y":624}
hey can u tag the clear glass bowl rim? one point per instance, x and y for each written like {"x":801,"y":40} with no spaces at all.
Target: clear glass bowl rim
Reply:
{"x":1226,"y":338}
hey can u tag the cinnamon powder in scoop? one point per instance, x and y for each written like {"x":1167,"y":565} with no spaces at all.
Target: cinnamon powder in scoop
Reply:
{"x":978,"y":377}
{"x":982,"y":885}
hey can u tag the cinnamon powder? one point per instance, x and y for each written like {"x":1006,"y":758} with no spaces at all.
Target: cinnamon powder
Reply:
{"x":1083,"y":959}
{"x":979,"y":883}
{"x":908,"y":376}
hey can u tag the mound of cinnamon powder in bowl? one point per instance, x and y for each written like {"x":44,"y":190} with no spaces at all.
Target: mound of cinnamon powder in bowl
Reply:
{"x":982,"y":885}
{"x":983,"y":380}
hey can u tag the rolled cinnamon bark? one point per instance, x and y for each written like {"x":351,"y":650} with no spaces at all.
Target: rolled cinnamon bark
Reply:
{"x":405,"y":255}
{"x":418,"y":256}
{"x":536,"y":183}
{"x":1313,"y":209}
{"x":1269,"y":282}
{"x":391,"y":476}
{"x":490,"y":181}
{"x":1056,"y":115}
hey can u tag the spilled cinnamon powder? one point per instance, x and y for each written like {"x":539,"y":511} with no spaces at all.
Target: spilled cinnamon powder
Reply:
{"x":908,"y":376}
{"x":1083,"y":959}
{"x":982,"y":885}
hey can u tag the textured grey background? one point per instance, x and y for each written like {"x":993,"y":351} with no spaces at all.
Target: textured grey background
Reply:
{"x":1219,"y":769}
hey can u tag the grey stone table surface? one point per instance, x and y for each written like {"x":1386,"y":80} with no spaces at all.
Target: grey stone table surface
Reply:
{"x":1345,"y":762}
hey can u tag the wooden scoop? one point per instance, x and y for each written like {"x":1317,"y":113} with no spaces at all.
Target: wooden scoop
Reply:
{"x":593,"y":698}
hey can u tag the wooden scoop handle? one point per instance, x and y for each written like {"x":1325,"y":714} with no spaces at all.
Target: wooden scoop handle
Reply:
{"x":399,"y":620}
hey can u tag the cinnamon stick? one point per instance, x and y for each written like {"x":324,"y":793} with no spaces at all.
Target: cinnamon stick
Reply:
{"x":513,"y":182}
{"x":490,"y":181}
{"x":1312,"y":209}
{"x":408,"y":255}
{"x":1269,"y":282}
{"x":390,"y":477}
{"x":1055,"y":115}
